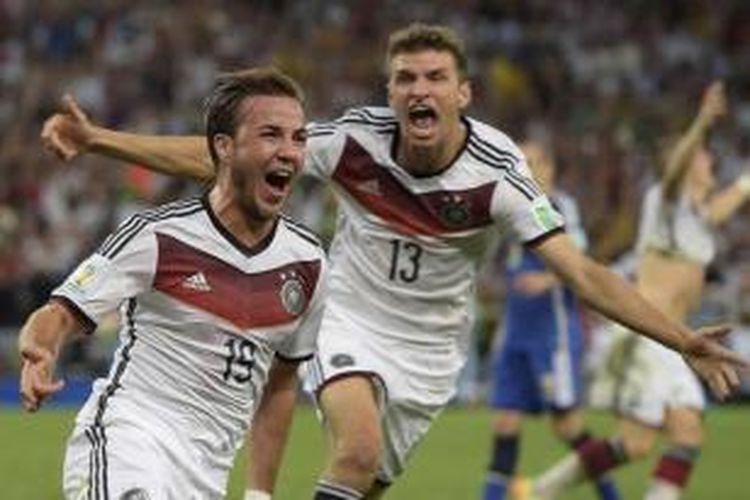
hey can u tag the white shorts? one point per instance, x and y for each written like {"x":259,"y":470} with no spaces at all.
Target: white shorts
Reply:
{"x":414,"y":381}
{"x":134,"y":459}
{"x":642,"y":379}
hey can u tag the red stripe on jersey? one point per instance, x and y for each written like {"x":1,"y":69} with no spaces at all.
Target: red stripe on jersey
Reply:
{"x":432,"y":213}
{"x":248,"y":300}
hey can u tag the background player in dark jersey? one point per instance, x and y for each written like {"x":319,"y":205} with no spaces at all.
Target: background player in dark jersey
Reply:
{"x":538,"y":365}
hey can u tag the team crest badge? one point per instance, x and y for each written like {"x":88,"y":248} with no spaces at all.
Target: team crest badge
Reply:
{"x":454,"y":211}
{"x":292,"y":294}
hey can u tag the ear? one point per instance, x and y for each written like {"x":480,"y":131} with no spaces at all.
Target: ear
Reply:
{"x":464,"y":94}
{"x":224,"y":146}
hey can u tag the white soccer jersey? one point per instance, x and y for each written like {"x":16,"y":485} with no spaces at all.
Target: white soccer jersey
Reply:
{"x":203,"y":317}
{"x":678,"y":227}
{"x":404,"y":253}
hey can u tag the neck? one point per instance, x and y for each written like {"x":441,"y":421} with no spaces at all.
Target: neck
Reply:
{"x":429,"y":160}
{"x":248,"y":230}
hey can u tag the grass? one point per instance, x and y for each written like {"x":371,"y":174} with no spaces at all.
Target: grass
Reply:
{"x":448,"y":466}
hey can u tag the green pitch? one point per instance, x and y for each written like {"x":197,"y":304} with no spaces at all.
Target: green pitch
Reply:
{"x":449,"y":465}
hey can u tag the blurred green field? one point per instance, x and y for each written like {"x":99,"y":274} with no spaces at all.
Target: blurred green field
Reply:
{"x":449,"y":466}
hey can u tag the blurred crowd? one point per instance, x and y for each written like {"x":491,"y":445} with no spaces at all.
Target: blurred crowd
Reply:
{"x":603,"y":81}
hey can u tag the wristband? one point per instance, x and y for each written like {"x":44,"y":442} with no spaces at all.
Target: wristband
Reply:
{"x":257,"y":495}
{"x":743,"y":183}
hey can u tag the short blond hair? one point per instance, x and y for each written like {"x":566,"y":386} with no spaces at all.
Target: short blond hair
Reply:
{"x":417,"y":37}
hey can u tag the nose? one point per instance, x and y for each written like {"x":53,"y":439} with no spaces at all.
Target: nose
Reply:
{"x":420,"y":87}
{"x":291,"y":151}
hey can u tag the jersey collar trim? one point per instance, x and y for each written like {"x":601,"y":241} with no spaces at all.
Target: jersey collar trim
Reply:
{"x":248,"y":251}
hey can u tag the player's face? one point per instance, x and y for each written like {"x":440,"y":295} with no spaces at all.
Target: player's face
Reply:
{"x":427,"y":95}
{"x":266,"y":153}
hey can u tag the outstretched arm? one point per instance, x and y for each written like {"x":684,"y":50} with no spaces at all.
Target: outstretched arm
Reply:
{"x":713,"y":106}
{"x":724,"y":204}
{"x":270,"y":429}
{"x":70,"y":133}
{"x":39,"y":344}
{"x":617,"y":299}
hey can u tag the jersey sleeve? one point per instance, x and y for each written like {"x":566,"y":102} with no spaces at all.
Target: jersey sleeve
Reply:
{"x":520,"y":205}
{"x":325,"y":143}
{"x":573,"y":223}
{"x":301,"y":345}
{"x":121,"y":268}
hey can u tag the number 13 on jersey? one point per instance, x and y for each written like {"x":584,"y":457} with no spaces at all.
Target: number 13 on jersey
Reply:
{"x":405,"y":261}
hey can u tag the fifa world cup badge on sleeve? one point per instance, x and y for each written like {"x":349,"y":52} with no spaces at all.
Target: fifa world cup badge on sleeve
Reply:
{"x":86,"y":274}
{"x":544,"y":215}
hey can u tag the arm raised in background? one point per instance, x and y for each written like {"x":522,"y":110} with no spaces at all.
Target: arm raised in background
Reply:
{"x":713,"y":106}
{"x":725,"y":203}
{"x":39,"y":344}
{"x":70,"y":133}
{"x":617,"y":299}
{"x":270,"y":430}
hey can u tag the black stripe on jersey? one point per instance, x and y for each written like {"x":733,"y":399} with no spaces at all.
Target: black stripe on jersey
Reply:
{"x":130,"y":228}
{"x":360,"y":121}
{"x":134,"y":223}
{"x":491,"y":149}
{"x":495,"y":155}
{"x":121,"y":365}
{"x":508,"y":168}
{"x":520,"y":187}
{"x":320,"y":134}
{"x":321,"y":127}
{"x":302,"y":231}
{"x":92,"y":493}
{"x":387,"y":131}
{"x":98,"y":482}
{"x":294,"y":359}
{"x":105,"y":478}
{"x":134,"y":220}
{"x":368,"y":115}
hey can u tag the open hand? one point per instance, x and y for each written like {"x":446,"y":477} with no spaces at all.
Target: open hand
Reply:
{"x":713,"y":362}
{"x":68,"y":133}
{"x":36,"y":377}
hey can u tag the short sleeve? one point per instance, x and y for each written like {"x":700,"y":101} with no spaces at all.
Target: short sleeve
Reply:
{"x":301,"y":344}
{"x":325,"y":143}
{"x":111,"y":275}
{"x":519,"y":204}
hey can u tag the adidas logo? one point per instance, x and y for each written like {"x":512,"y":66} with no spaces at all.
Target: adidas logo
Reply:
{"x":371,"y":186}
{"x":197,"y":282}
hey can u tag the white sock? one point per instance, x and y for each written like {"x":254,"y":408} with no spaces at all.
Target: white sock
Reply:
{"x":662,"y":490}
{"x":560,"y":477}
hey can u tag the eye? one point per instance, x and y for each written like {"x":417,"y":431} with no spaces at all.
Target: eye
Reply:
{"x":403,"y":77}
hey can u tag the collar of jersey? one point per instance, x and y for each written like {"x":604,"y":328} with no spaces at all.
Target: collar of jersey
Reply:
{"x":248,"y":251}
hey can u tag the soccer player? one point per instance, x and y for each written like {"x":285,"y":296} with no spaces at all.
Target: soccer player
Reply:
{"x":221,"y":300}
{"x":657,"y":391}
{"x":420,"y":188}
{"x":538,"y":366}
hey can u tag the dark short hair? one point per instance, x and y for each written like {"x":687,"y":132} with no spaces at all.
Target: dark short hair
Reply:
{"x":230,"y":89}
{"x":418,"y":37}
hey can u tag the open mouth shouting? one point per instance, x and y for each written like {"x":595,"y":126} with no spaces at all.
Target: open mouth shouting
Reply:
{"x":423,"y":120}
{"x":278,"y":181}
